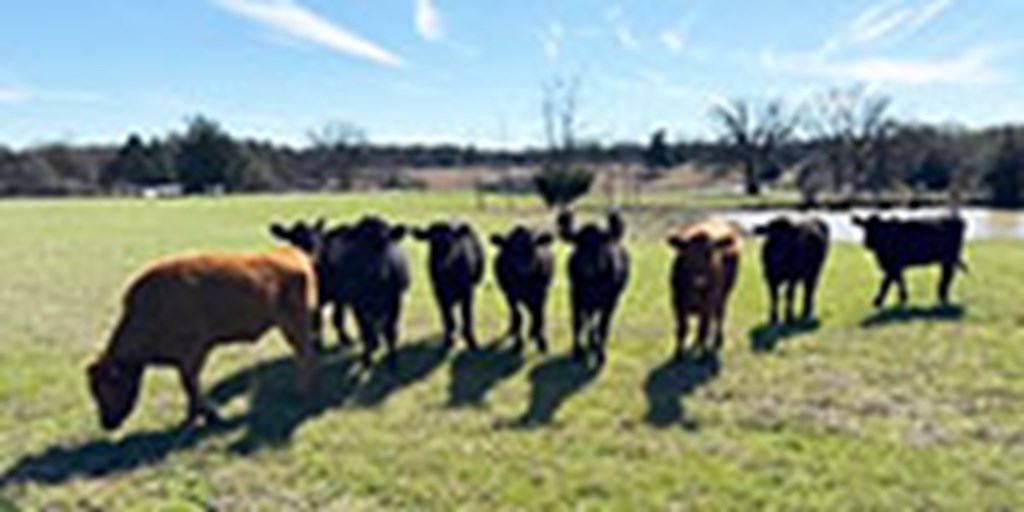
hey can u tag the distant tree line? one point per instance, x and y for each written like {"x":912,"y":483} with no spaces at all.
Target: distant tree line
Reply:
{"x":843,"y":144}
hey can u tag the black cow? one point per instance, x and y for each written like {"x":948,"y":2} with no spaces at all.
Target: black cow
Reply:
{"x":793,"y":255}
{"x":456,"y":263}
{"x":367,"y":269}
{"x":311,"y":237}
{"x":598,"y":272}
{"x":899,"y":244}
{"x":524,"y":269}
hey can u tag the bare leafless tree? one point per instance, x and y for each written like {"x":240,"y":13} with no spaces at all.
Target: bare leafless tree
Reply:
{"x":562,"y":179}
{"x":559,"y":111}
{"x":853,"y":126}
{"x":338,"y":148}
{"x":755,"y":131}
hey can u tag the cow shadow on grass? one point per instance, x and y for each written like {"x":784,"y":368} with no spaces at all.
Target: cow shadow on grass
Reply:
{"x":767,"y":337}
{"x":904,"y":314}
{"x":273,"y":413}
{"x":674,"y":379}
{"x":474,"y":373}
{"x":552,"y":383}
{"x":411,"y":363}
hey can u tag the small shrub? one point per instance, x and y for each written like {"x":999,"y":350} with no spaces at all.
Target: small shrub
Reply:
{"x":561,"y":186}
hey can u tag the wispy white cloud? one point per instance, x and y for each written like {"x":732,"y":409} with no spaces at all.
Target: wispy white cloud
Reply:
{"x":626,"y":39}
{"x":673,"y":40}
{"x":976,"y":65}
{"x":551,"y":39}
{"x":289,"y":18}
{"x":624,"y":35}
{"x":886,"y":20}
{"x":428,"y":20}
{"x":11,"y":95}
{"x":848,"y":56}
{"x":16,"y":95}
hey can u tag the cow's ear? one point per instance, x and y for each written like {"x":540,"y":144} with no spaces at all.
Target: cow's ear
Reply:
{"x":497,"y":240}
{"x":761,"y":230}
{"x":676,"y":242}
{"x":616,"y":226}
{"x":724,"y":243}
{"x":544,"y":238}
{"x":463,"y":230}
{"x":859,"y":221}
{"x":320,"y":225}
{"x":102,"y":371}
{"x":397,"y":232}
{"x":565,"y":226}
{"x":278,"y":231}
{"x":421,"y":234}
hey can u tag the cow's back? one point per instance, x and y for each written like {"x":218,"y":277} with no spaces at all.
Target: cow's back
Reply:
{"x":921,"y":242}
{"x":184,"y":304}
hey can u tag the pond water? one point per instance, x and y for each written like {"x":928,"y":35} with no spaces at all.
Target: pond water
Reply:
{"x":982,"y":223}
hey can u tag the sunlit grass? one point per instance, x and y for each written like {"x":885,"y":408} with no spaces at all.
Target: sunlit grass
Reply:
{"x":913,"y":411}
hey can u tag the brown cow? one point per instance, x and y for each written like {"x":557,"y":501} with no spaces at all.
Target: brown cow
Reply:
{"x":178,"y":309}
{"x":703,"y":274}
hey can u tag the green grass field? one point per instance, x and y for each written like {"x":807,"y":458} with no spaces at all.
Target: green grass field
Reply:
{"x":920,"y":409}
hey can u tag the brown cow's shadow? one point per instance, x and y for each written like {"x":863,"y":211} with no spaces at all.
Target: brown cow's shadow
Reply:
{"x":766,"y":337}
{"x":475,"y":372}
{"x":674,"y":379}
{"x":903,"y":314}
{"x":553,"y":382}
{"x":273,"y":414}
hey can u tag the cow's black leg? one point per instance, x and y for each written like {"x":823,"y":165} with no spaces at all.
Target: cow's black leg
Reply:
{"x":945,"y":281}
{"x":447,"y":319}
{"x":773,"y":303}
{"x":467,"y":321}
{"x":515,"y":322}
{"x":883,"y":290}
{"x":790,"y":299}
{"x":368,"y":331}
{"x":604,"y":325}
{"x":810,"y":288}
{"x":316,"y":323}
{"x":537,"y":326}
{"x":578,"y":321}
{"x":338,"y":318}
{"x":391,"y":331}
{"x":901,"y":285}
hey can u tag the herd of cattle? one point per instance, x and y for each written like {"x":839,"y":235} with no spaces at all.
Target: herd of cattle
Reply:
{"x":178,"y":309}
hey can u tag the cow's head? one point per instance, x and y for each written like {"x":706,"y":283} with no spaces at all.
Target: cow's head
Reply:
{"x":303,"y":235}
{"x":375,"y":232}
{"x":115,"y":389}
{"x":591,"y":235}
{"x":778,"y":230}
{"x":874,"y":230}
{"x":442,"y":236}
{"x":522,"y":245}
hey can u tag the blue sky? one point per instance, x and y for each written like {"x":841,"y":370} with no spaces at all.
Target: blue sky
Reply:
{"x":472,"y":70}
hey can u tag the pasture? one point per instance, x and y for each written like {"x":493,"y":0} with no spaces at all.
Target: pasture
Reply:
{"x":911,"y":409}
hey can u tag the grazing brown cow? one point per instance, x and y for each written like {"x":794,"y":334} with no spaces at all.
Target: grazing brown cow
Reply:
{"x":703,"y":274}
{"x":178,"y":309}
